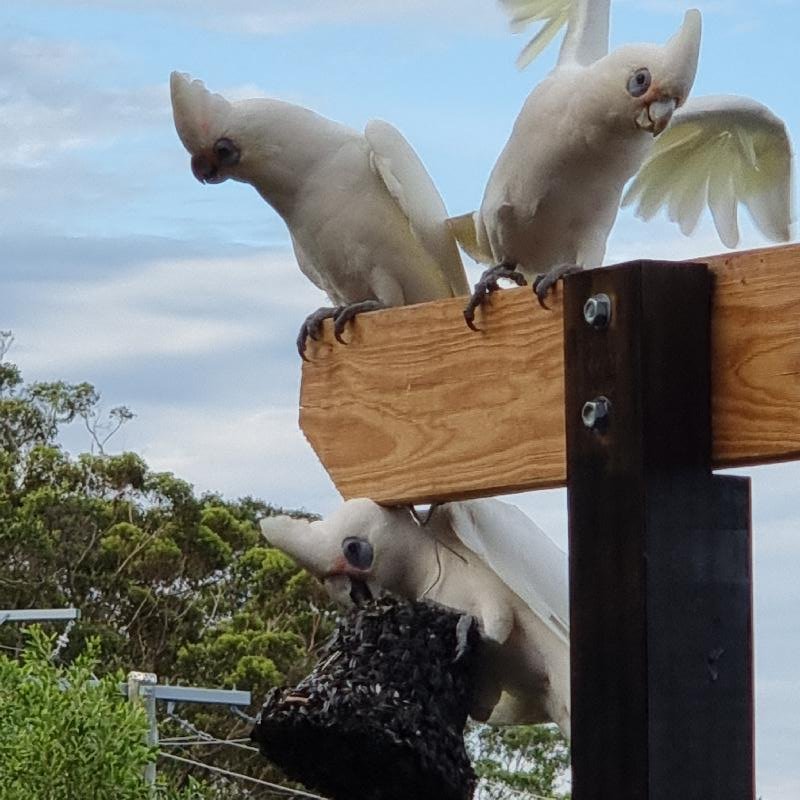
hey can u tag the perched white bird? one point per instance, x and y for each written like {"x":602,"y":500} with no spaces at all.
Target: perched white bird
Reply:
{"x":484,"y":558}
{"x":367,"y":223}
{"x":591,"y":125}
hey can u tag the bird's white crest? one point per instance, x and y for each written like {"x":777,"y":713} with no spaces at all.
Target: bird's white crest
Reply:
{"x":682,"y":53}
{"x":200,"y":116}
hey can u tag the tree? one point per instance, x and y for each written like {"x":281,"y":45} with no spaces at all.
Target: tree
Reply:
{"x":519,"y":760}
{"x":65,"y":736}
{"x":167,"y":581}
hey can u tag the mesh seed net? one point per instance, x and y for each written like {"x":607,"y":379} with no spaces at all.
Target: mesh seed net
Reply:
{"x":382,"y":715}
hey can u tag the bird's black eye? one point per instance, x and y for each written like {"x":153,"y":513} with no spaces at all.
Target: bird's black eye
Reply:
{"x":226,"y":152}
{"x":639,"y":82}
{"x":357,"y":552}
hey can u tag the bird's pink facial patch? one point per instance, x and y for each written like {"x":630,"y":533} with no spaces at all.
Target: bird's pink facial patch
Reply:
{"x":339,"y":567}
{"x":342,"y":567}
{"x":651,"y":95}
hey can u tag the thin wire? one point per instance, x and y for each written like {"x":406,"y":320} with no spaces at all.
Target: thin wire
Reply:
{"x":515,"y":792}
{"x":205,"y":738}
{"x":438,"y":566}
{"x":239,"y":776}
{"x":193,"y":740}
{"x":207,"y":743}
{"x":12,"y":649}
{"x":237,"y":712}
{"x":204,"y":735}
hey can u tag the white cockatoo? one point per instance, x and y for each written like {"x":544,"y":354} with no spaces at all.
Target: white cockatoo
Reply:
{"x":367,"y":223}
{"x":484,"y":558}
{"x":591,"y":125}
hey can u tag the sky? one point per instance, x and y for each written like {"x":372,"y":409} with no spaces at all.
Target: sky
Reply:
{"x":182,"y":301}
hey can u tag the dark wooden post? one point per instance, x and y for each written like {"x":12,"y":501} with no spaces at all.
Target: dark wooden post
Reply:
{"x":660,"y":565}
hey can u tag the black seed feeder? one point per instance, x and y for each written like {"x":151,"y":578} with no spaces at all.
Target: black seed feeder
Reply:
{"x":382,"y":715}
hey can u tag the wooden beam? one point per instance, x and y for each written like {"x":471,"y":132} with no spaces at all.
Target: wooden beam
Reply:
{"x":418,"y":408}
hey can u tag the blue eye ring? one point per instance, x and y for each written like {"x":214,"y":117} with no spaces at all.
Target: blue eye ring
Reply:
{"x":639,"y":82}
{"x":227,"y":152}
{"x":357,"y":552}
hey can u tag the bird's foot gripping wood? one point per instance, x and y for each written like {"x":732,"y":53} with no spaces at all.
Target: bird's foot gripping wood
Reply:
{"x":542,"y":284}
{"x":488,"y":284}
{"x":341,"y":315}
{"x":347,"y":313}
{"x":312,"y":327}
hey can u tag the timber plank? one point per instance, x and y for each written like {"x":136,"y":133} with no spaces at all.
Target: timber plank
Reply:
{"x":418,"y":408}
{"x":755,"y":357}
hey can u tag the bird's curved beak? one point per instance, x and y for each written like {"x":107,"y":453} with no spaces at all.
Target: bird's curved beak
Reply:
{"x":348,"y":585}
{"x":655,"y":116}
{"x":205,"y":168}
{"x":347,"y":591}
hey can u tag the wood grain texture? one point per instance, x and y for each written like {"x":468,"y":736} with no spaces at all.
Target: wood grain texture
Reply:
{"x":417,"y":408}
{"x":755,"y":357}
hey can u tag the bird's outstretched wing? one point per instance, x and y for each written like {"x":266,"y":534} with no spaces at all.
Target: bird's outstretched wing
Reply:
{"x":586,"y":39}
{"x":719,"y":151}
{"x":518,"y":551}
{"x":408,"y":182}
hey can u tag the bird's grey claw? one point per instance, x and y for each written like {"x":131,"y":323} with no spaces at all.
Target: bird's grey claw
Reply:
{"x":338,"y":330}
{"x":463,"y":628}
{"x":469,"y":312}
{"x":346,"y":313}
{"x":541,"y":288}
{"x":488,"y":284}
{"x":543,"y":284}
{"x":312,"y":327}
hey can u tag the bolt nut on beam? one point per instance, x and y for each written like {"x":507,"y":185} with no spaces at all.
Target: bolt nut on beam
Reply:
{"x":597,"y":311}
{"x":595,"y":413}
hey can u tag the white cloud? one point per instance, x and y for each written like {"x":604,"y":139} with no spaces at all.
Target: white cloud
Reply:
{"x":81,"y":151}
{"x":207,"y":327}
{"x":258,"y":451}
{"x":175,"y":308}
{"x":269,"y":17}
{"x":45,"y":111}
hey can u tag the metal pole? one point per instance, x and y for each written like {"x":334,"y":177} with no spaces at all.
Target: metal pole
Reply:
{"x":38,"y":614}
{"x":660,"y":564}
{"x":141,"y":691}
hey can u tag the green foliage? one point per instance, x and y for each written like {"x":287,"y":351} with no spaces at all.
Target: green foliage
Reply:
{"x":65,"y":736}
{"x":167,"y":581}
{"x":531,"y":759}
{"x":154,"y":568}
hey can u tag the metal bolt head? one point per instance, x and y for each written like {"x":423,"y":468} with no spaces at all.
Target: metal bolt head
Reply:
{"x":597,"y":311}
{"x":595,"y":413}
